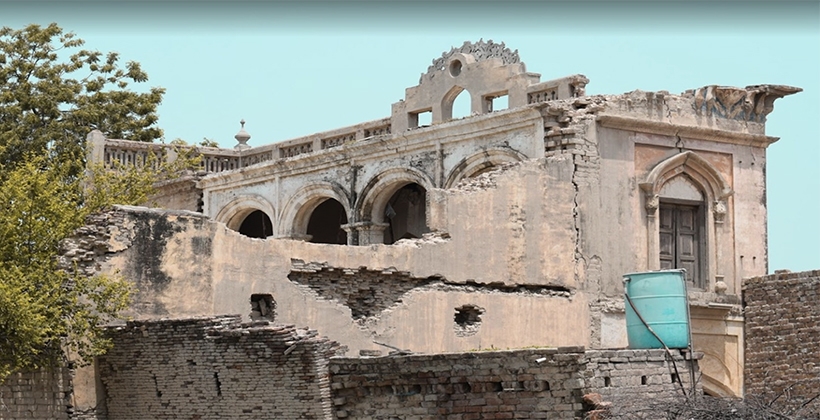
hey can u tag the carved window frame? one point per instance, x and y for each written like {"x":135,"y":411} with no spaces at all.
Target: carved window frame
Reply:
{"x":716,"y":193}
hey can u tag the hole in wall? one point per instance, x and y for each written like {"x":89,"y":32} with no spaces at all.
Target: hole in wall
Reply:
{"x":467,"y":319}
{"x":497,"y":387}
{"x":675,"y":378}
{"x":325,"y":224}
{"x":218,"y":384}
{"x":643,"y":380}
{"x":263,"y":307}
{"x":607,"y":381}
{"x":256,"y":225}
{"x":463,"y":387}
{"x":455,"y":68}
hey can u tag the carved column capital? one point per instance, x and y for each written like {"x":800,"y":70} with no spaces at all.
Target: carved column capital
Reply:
{"x":652,"y":203}
{"x":720,"y":211}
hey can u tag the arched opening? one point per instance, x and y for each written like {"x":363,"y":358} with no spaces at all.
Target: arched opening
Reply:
{"x":462,"y":105}
{"x":325,"y":224}
{"x":257,"y":224}
{"x":406,"y":214}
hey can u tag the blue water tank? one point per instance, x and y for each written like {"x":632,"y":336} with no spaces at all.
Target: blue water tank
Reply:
{"x":660,"y":298}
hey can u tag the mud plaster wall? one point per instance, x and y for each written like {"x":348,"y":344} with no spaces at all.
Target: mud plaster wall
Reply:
{"x":216,"y":368}
{"x":782,"y":334}
{"x":534,"y":383}
{"x":43,"y":394}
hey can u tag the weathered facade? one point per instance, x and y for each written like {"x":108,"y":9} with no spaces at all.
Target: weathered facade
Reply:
{"x":506,"y":229}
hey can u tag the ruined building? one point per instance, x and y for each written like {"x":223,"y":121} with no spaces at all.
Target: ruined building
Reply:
{"x":508,"y":228}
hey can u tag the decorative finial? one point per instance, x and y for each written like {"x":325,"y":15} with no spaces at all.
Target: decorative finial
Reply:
{"x":242,"y":137}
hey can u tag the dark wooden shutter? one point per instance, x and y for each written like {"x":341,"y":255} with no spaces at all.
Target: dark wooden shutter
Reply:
{"x":679,"y":240}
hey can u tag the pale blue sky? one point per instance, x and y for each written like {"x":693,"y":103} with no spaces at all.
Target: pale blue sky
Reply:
{"x":291,"y":69}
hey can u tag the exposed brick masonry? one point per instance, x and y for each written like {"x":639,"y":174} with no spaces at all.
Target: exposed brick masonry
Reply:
{"x":44,"y":394}
{"x":532,"y":383}
{"x":216,"y":368}
{"x":783,"y":334}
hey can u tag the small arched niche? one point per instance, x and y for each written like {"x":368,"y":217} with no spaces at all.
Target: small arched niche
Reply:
{"x":256,"y":224}
{"x":325,"y":223}
{"x":406,"y":213}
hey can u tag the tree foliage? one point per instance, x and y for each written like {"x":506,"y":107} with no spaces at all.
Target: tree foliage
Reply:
{"x":52,"y":93}
{"x":49,"y":100}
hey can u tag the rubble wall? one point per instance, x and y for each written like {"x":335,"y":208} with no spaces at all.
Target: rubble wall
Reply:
{"x":43,"y":394}
{"x":782,"y":334}
{"x":216,"y":368}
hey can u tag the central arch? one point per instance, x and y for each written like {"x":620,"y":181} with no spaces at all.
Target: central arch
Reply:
{"x":397,"y":196}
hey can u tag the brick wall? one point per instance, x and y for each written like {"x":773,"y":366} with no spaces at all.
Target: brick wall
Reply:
{"x":537,"y":383}
{"x":216,"y":368}
{"x":44,"y":394}
{"x":783,"y":334}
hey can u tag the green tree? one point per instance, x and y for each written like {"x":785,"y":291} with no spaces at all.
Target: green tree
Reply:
{"x":49,"y":100}
{"x":52,"y":93}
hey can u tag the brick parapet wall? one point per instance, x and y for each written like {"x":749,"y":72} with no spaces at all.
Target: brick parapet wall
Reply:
{"x":536,"y":383}
{"x":782,"y":334}
{"x":42,"y":394}
{"x":216,"y":368}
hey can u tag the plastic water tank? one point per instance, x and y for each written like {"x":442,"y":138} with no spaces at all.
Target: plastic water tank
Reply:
{"x":660,"y":298}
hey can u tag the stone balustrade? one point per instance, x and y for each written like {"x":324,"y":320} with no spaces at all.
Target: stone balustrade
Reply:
{"x":214,"y":160}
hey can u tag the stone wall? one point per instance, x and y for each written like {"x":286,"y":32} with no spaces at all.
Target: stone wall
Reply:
{"x":216,"y":368}
{"x":532,"y":383}
{"x":783,"y":334}
{"x":43,"y":394}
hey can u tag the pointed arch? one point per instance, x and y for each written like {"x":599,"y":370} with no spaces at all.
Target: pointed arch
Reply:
{"x":447,"y":102}
{"x":693,"y":165}
{"x":683,"y":232}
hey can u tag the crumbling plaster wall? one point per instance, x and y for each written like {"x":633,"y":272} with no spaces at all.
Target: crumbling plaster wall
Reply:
{"x":500,"y":238}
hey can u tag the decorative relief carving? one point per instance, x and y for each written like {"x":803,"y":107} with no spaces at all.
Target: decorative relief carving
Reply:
{"x":377,"y":131}
{"x":543,"y":96}
{"x":752,"y":103}
{"x":652,"y":203}
{"x":297,"y":149}
{"x":480,"y":50}
{"x":720,"y":211}
{"x":338,"y":140}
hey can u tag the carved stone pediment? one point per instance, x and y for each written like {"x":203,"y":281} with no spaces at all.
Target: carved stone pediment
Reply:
{"x":752,"y":103}
{"x":480,"y":51}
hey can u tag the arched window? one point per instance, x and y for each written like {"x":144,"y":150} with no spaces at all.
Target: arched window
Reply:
{"x":685,"y":200}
